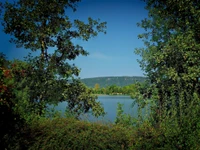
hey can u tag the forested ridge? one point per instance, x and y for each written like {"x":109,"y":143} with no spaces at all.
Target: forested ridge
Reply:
{"x":112,"y":80}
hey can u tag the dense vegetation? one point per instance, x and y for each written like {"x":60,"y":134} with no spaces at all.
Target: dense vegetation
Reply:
{"x":46,"y":76}
{"x":170,"y":60}
{"x":29,"y":86}
{"x":104,"y":82}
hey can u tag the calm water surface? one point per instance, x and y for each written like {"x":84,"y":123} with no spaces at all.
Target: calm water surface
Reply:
{"x":110,"y":107}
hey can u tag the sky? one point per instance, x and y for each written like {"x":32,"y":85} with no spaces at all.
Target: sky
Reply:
{"x":110,"y":54}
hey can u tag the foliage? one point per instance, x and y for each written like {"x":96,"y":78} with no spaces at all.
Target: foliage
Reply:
{"x":11,"y":122}
{"x":81,"y":99}
{"x":47,"y":76}
{"x":124,"y":119}
{"x":63,"y":133}
{"x":68,"y":133}
{"x":171,"y":62}
{"x":116,"y":90}
{"x":170,"y":56}
{"x":96,"y":86}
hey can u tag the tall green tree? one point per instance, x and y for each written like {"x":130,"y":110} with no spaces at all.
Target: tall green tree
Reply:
{"x":171,"y":56}
{"x":171,"y":61}
{"x":41,"y":26}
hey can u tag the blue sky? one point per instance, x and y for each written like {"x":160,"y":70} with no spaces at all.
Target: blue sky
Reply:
{"x":111,"y":54}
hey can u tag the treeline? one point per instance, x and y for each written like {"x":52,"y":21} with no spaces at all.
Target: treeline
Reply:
{"x":115,"y":90}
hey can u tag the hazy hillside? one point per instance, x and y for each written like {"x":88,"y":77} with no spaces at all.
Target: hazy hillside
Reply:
{"x":107,"y":81}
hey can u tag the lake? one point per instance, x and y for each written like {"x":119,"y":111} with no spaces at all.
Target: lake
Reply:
{"x":110,"y":107}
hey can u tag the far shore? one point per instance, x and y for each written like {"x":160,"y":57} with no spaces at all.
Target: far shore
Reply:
{"x":110,"y":95}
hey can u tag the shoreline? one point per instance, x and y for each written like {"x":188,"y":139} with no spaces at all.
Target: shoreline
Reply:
{"x":110,"y":95}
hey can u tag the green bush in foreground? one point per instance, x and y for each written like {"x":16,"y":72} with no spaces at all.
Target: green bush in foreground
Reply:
{"x":62,"y":133}
{"x":72,"y":134}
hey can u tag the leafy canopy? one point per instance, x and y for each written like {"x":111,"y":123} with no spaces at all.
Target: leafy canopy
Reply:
{"x":171,"y":56}
{"x":171,"y":61}
{"x":42,"y":26}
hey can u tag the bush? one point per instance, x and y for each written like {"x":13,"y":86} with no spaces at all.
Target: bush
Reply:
{"x":72,"y":134}
{"x":62,"y":133}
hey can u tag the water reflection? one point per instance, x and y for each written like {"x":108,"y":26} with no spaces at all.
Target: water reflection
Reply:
{"x":110,"y":106}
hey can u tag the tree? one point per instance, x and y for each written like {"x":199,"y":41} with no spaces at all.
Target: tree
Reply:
{"x":129,"y":89}
{"x":170,"y":58}
{"x":40,"y":25}
{"x":171,"y":62}
{"x":112,"y":89}
{"x":96,"y":86}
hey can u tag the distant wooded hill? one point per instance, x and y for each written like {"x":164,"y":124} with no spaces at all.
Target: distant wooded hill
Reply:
{"x":107,"y":81}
